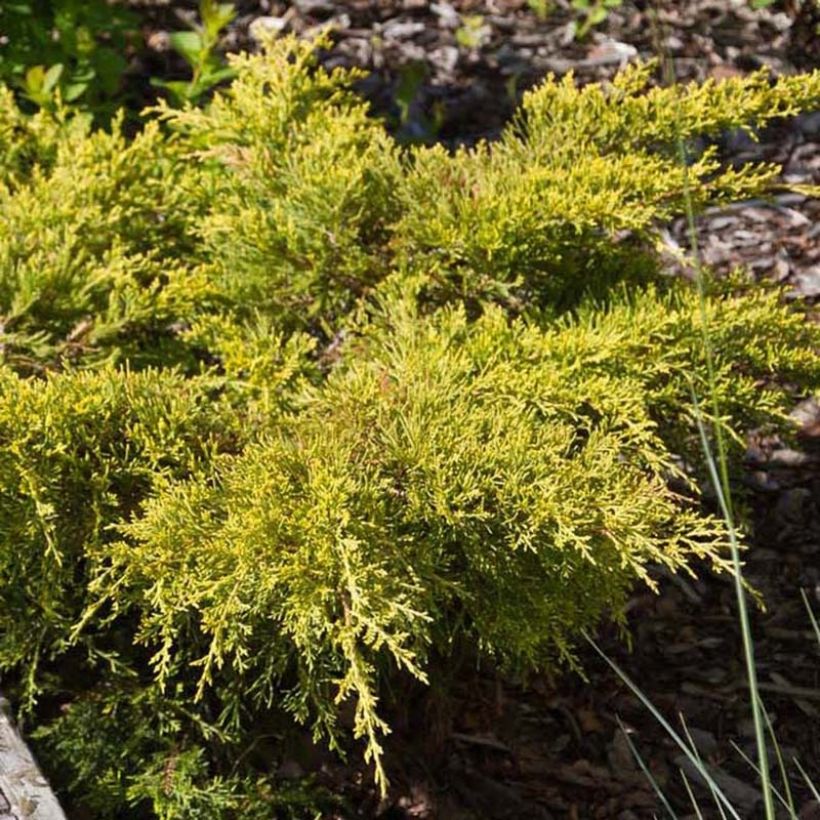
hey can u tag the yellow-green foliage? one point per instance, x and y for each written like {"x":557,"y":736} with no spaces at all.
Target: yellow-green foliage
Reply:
{"x":91,"y":244}
{"x":79,"y":454}
{"x":289,"y":415}
{"x":513,"y":477}
{"x":283,"y":197}
{"x":544,"y":212}
{"x":303,"y":198}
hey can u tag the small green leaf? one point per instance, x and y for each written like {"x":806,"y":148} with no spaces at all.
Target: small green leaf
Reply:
{"x":52,"y":77}
{"x":73,"y":91}
{"x":110,"y":65}
{"x":188,"y":44}
{"x":218,"y":75}
{"x":597,"y":15}
{"x":215,"y":16}
{"x":180,"y":91}
{"x":83,"y":73}
{"x":35,"y":78}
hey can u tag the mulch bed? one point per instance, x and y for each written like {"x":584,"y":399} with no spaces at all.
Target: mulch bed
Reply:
{"x":554,"y":747}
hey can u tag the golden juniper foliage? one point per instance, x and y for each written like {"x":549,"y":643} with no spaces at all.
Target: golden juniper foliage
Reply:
{"x":92,"y":242}
{"x":514,"y":475}
{"x":80,"y":450}
{"x":305,"y":197}
{"x":288,"y":414}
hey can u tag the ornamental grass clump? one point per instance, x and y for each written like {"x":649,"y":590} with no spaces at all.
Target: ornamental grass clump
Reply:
{"x":291,"y":416}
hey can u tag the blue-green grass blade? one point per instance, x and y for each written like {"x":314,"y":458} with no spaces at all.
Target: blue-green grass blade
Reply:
{"x":638,"y":692}
{"x":647,"y":773}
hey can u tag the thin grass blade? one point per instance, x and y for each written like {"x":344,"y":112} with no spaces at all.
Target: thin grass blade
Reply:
{"x":638,"y":692}
{"x":647,"y":773}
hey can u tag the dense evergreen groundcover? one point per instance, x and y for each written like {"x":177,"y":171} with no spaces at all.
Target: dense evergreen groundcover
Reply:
{"x":290,"y":414}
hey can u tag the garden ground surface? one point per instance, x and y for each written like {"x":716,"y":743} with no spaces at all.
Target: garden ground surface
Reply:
{"x":552,"y":747}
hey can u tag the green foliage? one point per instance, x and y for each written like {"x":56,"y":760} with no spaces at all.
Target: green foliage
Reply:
{"x":199,"y":49}
{"x":26,"y":141}
{"x":304,"y":180}
{"x":592,"y":13}
{"x":70,"y":50}
{"x":411,"y":126}
{"x":558,"y":206}
{"x":449,"y":475}
{"x":91,"y":246}
{"x":132,"y":766}
{"x":289,"y":414}
{"x":80,"y":453}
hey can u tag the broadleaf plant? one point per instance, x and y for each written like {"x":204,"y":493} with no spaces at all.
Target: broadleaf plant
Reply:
{"x":199,"y":48}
